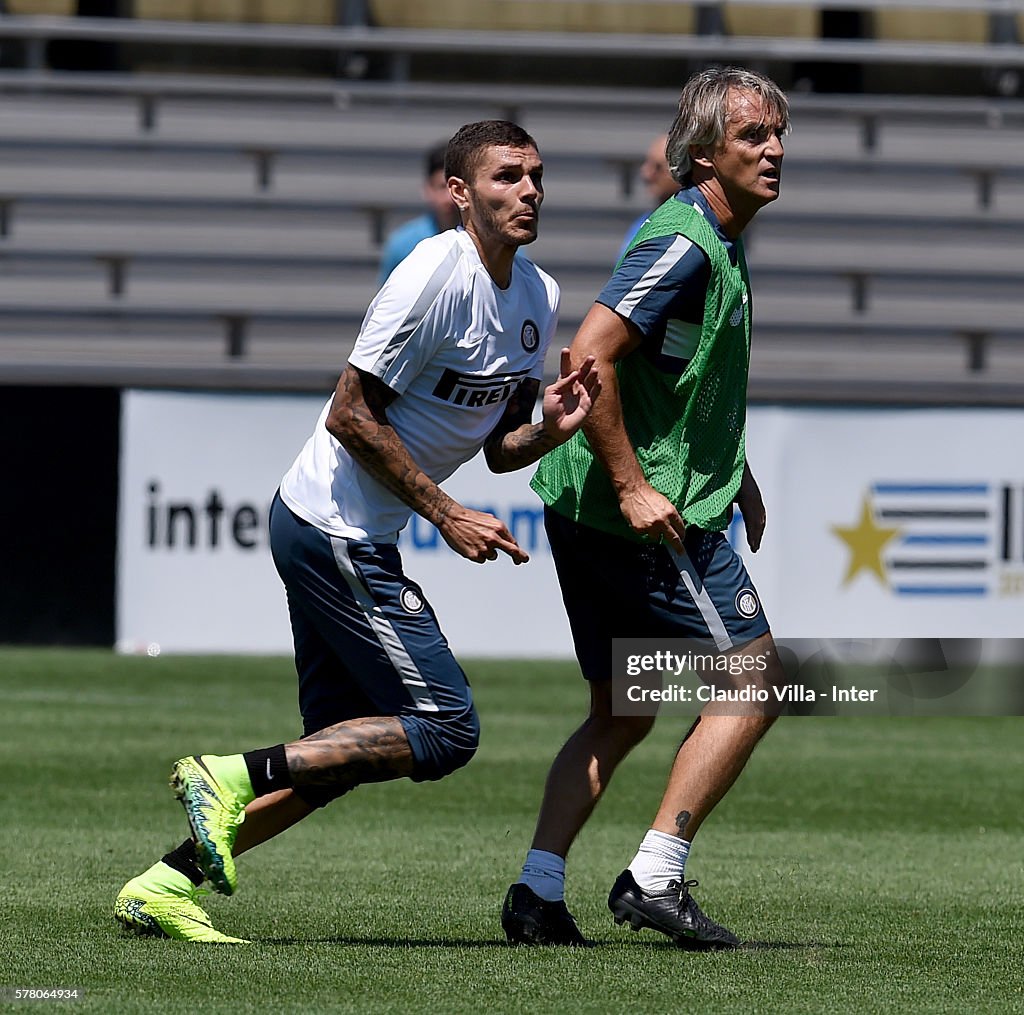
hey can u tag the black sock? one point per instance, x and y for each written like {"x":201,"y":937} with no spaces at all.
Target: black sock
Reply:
{"x":183,"y":859}
{"x":268,"y":770}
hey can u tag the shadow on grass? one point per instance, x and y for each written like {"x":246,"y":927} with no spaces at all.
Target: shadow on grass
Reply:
{"x":476,"y":943}
{"x":384,"y":942}
{"x":745,"y":946}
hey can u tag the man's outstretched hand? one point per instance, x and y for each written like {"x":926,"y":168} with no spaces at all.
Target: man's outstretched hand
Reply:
{"x":478,"y":536}
{"x":568,"y":401}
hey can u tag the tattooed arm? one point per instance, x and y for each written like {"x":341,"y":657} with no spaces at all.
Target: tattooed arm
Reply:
{"x":358,"y":419}
{"x":516,"y":442}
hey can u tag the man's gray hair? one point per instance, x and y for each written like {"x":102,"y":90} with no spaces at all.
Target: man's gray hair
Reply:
{"x":702,"y":110}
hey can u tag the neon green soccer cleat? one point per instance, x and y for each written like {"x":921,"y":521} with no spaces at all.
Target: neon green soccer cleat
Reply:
{"x":214,"y":791}
{"x":161,"y":902}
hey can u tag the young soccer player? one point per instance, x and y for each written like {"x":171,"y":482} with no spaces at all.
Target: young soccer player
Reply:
{"x":448,"y":361}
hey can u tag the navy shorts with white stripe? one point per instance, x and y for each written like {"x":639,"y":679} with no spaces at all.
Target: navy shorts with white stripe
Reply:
{"x":367,"y":643}
{"x":616,"y":588}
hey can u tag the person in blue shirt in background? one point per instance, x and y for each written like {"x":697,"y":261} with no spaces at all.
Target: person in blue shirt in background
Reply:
{"x":660,"y":186}
{"x":441,"y":214}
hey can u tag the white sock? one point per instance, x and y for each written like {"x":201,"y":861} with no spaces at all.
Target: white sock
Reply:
{"x":660,"y":859}
{"x":544,"y":873}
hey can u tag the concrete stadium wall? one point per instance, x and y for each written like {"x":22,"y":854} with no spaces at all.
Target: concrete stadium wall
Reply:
{"x":557,"y":15}
{"x":597,"y":16}
{"x":299,"y":12}
{"x":531,"y":16}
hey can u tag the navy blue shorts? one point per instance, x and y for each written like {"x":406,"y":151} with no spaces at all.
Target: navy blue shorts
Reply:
{"x":616,"y":588}
{"x":367,"y":642}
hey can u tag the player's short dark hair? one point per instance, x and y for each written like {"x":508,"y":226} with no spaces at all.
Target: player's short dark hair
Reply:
{"x":434,"y":160}
{"x":469,"y":143}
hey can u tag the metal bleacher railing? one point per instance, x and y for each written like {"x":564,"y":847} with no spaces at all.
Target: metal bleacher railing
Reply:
{"x":841,"y":266}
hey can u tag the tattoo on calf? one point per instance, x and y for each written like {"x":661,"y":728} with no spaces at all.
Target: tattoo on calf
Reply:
{"x":682,"y":820}
{"x":350,"y":753}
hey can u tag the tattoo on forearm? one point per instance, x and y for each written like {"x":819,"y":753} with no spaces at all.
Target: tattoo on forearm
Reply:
{"x":350,"y":753}
{"x":360,"y":407}
{"x":516,"y":442}
{"x":525,"y":446}
{"x":682,"y":820}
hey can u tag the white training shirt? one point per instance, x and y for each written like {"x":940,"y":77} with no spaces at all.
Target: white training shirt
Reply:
{"x":454,"y":347}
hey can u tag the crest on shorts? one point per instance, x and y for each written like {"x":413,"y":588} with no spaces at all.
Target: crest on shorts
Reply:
{"x":530,"y":336}
{"x":411,"y":600}
{"x":747,"y":604}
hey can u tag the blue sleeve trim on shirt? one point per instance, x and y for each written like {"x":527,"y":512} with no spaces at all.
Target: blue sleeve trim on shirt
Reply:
{"x":679,"y":293}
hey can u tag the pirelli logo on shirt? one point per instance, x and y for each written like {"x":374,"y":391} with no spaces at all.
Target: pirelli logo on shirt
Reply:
{"x":473,"y":390}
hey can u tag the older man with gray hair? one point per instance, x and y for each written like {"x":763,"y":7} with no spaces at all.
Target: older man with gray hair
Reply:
{"x":638,"y":501}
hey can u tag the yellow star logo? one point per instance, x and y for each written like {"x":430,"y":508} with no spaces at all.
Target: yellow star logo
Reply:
{"x":866,"y":540}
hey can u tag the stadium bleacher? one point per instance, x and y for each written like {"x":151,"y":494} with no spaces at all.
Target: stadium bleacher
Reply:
{"x":170,"y":229}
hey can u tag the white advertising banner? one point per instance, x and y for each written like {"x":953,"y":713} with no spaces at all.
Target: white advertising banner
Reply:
{"x":891,"y":523}
{"x":881,"y":524}
{"x":198,"y":472}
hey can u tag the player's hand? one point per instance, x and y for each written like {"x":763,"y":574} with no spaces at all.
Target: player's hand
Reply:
{"x":568,"y":401}
{"x":748,"y":500}
{"x":478,"y":536}
{"x":653,"y":515}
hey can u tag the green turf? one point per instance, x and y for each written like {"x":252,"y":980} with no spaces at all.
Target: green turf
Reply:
{"x":878,"y":862}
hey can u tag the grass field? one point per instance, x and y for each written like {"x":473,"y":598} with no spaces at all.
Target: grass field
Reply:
{"x":875,"y":864}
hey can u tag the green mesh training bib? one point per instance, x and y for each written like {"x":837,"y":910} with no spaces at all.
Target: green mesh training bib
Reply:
{"x":688,"y":431}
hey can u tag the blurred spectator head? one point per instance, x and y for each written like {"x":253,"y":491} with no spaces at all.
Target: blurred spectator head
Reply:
{"x":435,"y":189}
{"x":655,"y":174}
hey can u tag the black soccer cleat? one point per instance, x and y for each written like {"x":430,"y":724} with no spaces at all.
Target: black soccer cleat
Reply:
{"x":527,"y":919}
{"x":673,"y":912}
